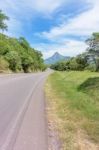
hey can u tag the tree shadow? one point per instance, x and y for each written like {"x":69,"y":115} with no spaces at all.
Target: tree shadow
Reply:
{"x":89,"y":85}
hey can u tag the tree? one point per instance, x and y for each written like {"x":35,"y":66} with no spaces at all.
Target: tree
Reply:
{"x":75,"y":63}
{"x":26,"y":62}
{"x":93,"y":49}
{"x":3,"y":17}
{"x":81,"y":62}
{"x":14,"y":60}
{"x":4,"y":48}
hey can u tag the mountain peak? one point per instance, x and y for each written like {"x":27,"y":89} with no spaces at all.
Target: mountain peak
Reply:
{"x":56,"y":53}
{"x":55,"y":58}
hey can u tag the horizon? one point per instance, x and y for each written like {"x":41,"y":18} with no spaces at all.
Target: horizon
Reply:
{"x":50,"y":26}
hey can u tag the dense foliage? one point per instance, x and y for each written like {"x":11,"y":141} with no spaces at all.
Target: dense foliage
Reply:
{"x":18,"y":56}
{"x":75,"y":63}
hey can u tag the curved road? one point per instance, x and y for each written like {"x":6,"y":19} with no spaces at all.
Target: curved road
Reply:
{"x":22,"y":112}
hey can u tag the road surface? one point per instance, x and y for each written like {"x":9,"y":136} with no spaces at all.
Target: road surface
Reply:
{"x":22,"y":112}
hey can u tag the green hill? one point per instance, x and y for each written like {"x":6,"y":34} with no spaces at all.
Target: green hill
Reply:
{"x":17,"y":55}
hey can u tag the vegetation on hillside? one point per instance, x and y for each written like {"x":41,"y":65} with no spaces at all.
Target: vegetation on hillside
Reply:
{"x":77,"y":63}
{"x":16,"y":54}
{"x":73,"y":99}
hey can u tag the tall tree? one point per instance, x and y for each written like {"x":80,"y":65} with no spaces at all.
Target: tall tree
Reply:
{"x":93,"y":49}
{"x":3,"y":17}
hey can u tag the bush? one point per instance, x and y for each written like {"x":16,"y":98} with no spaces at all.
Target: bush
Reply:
{"x":4,"y":65}
{"x":14,"y":61}
{"x":77,"y":63}
{"x":91,"y":67}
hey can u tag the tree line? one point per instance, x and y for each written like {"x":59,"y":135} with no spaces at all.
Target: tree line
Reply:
{"x":89,"y":60}
{"x":16,"y":54}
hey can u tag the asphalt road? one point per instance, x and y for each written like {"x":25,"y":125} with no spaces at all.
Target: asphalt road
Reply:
{"x":22,"y":112}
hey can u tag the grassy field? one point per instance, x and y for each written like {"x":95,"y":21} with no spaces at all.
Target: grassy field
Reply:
{"x":73,"y":108}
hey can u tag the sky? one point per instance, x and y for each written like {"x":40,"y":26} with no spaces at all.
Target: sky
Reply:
{"x":53,"y":25}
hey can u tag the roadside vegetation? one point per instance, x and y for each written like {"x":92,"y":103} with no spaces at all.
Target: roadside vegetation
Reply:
{"x":73,"y":98}
{"x":73,"y":108}
{"x":16,"y":55}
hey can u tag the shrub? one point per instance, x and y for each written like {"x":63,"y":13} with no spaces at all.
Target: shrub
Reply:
{"x":4,"y":65}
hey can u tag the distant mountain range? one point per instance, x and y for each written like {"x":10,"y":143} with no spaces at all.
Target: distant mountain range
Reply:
{"x":56,"y":58}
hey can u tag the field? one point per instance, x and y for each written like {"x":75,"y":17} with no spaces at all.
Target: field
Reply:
{"x":73,"y":108}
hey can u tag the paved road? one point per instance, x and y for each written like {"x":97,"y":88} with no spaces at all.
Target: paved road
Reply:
{"x":22,"y":112}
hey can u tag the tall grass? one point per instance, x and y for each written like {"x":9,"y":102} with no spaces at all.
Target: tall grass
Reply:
{"x":77,"y":101}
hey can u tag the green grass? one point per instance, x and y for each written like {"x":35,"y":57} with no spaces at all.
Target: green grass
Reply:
{"x":76,"y":96}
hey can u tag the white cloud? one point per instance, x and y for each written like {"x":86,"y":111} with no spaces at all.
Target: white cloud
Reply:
{"x":67,"y":48}
{"x":82,"y":25}
{"x":19,"y":10}
{"x":26,"y":6}
{"x":46,"y":6}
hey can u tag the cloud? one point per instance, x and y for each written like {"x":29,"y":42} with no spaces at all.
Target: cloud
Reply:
{"x":34,"y":6}
{"x":24,"y":11}
{"x":68,"y":47}
{"x":81,"y":25}
{"x":45,"y":6}
{"x":15,"y":28}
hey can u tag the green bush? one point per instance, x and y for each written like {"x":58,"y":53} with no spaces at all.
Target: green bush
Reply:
{"x":77,"y":63}
{"x":91,"y":67}
{"x":4,"y":65}
{"x":14,"y":60}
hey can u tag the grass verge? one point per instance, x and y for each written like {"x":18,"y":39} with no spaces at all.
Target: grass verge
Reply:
{"x":73,"y":108}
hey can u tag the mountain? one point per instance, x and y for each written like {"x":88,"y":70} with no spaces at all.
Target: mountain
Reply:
{"x":55,"y":58}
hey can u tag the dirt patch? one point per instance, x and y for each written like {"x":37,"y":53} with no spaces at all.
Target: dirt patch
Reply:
{"x":53,"y":139}
{"x":83,"y":143}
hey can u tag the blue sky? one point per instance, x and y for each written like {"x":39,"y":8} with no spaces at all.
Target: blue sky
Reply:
{"x":53,"y":25}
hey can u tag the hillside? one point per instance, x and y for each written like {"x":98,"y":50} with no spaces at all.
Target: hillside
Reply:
{"x":16,"y":55}
{"x":55,"y":58}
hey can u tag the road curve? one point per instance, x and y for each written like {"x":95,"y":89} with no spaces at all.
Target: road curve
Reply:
{"x":22,"y":112}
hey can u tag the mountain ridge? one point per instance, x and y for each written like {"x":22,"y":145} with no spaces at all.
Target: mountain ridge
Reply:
{"x":56,"y":57}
